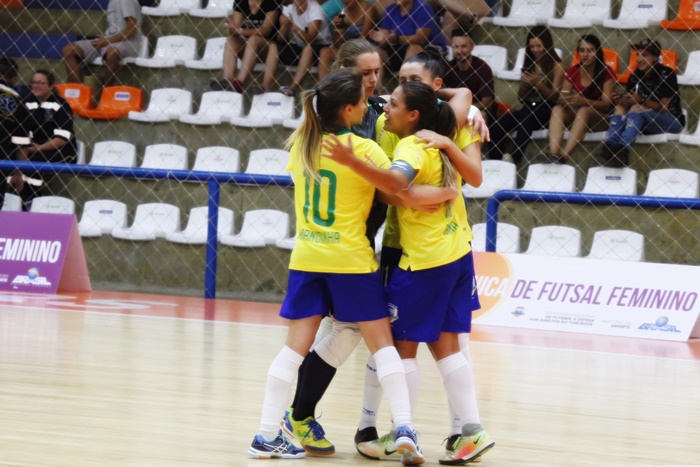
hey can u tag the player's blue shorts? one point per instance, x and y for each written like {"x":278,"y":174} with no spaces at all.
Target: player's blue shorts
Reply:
{"x":352,"y":297}
{"x":432,"y":301}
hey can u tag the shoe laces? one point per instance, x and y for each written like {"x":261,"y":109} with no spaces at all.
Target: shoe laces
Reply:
{"x":316,"y":429}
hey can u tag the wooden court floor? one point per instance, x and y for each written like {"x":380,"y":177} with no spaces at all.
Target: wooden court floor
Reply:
{"x":113,"y":379}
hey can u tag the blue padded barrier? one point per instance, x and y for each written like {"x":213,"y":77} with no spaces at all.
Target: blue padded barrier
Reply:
{"x":19,"y":45}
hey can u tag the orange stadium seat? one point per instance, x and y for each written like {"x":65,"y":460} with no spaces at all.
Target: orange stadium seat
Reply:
{"x":612,"y":59}
{"x":688,"y":17}
{"x":78,"y":96}
{"x":668,"y":58}
{"x":15,"y":4}
{"x":115,"y":102}
{"x":502,"y":108}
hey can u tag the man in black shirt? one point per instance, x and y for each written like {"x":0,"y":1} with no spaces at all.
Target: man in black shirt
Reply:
{"x":9,"y":103}
{"x":44,"y":133}
{"x":650,"y":105}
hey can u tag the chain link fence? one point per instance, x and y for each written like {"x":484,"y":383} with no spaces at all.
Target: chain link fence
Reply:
{"x":259,"y":272}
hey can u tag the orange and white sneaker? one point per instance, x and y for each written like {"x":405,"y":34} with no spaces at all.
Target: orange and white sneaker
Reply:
{"x":472,"y":444}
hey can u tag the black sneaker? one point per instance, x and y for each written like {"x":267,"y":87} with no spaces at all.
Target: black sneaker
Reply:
{"x":620,"y":156}
{"x":216,"y":85}
{"x":366,"y":434}
{"x":603,"y":156}
{"x":450,"y":442}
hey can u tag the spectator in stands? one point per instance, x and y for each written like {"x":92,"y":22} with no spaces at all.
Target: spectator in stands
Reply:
{"x":304,"y":38}
{"x":456,"y":14}
{"x":9,"y":103}
{"x":650,"y":105}
{"x":468,"y":71}
{"x":347,"y":25}
{"x":406,"y":27}
{"x":541,"y":78}
{"x":584,"y":101}
{"x":121,"y":40}
{"x":45,"y":134}
{"x":251,"y":29}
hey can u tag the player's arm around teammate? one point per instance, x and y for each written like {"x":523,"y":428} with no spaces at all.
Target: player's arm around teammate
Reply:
{"x":332,"y":265}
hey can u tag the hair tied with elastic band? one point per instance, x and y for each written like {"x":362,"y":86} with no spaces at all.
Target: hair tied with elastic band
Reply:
{"x":317,"y":91}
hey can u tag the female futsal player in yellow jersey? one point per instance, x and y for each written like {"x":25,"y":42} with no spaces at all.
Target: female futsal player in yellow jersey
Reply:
{"x":431,"y":290}
{"x":332,"y":265}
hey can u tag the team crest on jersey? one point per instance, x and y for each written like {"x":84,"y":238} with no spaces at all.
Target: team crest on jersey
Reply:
{"x":8,"y":104}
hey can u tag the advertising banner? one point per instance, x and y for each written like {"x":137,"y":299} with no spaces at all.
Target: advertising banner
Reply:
{"x":41,"y":253}
{"x":615,"y":298}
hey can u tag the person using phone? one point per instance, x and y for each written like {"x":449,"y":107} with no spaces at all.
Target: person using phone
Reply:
{"x":650,"y":105}
{"x":541,"y":78}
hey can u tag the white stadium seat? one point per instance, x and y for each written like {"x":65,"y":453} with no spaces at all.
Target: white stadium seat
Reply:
{"x":214,"y":9}
{"x":286,"y":243}
{"x":11,"y":203}
{"x":213,"y":57}
{"x":198,"y":224}
{"x":527,"y":13}
{"x":165,"y":104}
{"x":268,"y":109}
{"x":638,"y":14}
{"x":672,"y":183}
{"x":217,"y":159}
{"x":691,"y":75}
{"x":611,"y":181}
{"x":101,"y":216}
{"x":165,"y":156}
{"x":617,"y":245}
{"x":495,"y":55}
{"x":691,"y":139}
{"x":497,"y":175}
{"x":170,"y":7}
{"x":268,"y":162}
{"x":80,"y":156}
{"x":114,"y":154}
{"x":582,"y":14}
{"x":550,"y":177}
{"x":507,"y":238}
{"x":152,"y":220}
{"x":53,"y":205}
{"x":260,"y":227}
{"x":170,"y":51}
{"x":216,"y":107}
{"x":555,"y":240}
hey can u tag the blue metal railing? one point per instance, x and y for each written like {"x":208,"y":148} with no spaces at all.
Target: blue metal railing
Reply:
{"x":575,"y":198}
{"x":213,"y":179}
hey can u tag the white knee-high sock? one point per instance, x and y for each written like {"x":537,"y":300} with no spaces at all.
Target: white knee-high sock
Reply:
{"x":410,"y":366}
{"x":393,"y":380}
{"x":459,"y":383}
{"x":280,"y":377}
{"x":371,"y":395}
{"x":456,"y":422}
{"x":464,"y":346}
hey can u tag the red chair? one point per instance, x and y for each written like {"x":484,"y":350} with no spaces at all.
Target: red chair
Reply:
{"x":116,"y":102}
{"x":12,"y":4}
{"x":668,"y":58}
{"x":78,"y":96}
{"x":688,"y":17}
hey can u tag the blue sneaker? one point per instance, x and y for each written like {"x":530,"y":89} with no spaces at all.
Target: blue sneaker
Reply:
{"x":278,"y":448}
{"x":407,"y":446}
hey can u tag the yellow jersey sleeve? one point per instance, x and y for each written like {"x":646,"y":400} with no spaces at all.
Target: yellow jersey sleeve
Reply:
{"x":387,"y":140}
{"x":464,"y":137}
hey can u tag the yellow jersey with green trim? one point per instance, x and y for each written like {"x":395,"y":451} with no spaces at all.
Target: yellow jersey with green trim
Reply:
{"x":430,"y":239}
{"x":388,"y":142}
{"x":331,"y":214}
